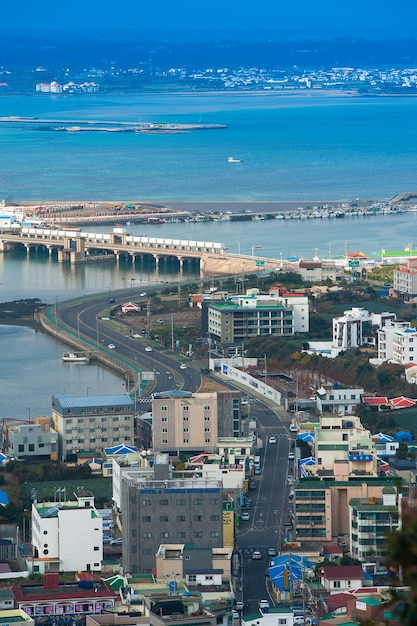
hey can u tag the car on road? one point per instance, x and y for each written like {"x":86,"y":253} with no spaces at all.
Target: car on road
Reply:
{"x":148,"y":349}
{"x":290,"y":480}
{"x":257,"y":471}
{"x":235,"y":615}
{"x":160,"y":321}
{"x":110,"y":300}
{"x":293,"y":428}
{"x":135,"y":336}
{"x":263,"y":604}
{"x":291,"y":456}
{"x":245,"y":517}
{"x":252,"y":484}
{"x":143,"y":294}
{"x":256,"y":555}
{"x":116,"y":542}
{"x":183,"y":366}
{"x":239,"y":606}
{"x":111,"y":346}
{"x":272,"y":552}
{"x":272,"y":439}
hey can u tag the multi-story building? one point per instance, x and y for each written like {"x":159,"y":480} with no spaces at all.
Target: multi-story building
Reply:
{"x":165,"y":510}
{"x":321,"y":505}
{"x":252,"y":315}
{"x":405,"y":279}
{"x":36,"y":439}
{"x":67,"y":536}
{"x":397,"y":343}
{"x":317,"y":270}
{"x":193,"y":422}
{"x":370,"y":521}
{"x":338,"y":399}
{"x":197,"y":566}
{"x":91,"y":423}
{"x":358,"y":326}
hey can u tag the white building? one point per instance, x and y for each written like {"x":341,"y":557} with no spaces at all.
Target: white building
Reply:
{"x":397,"y":343}
{"x":338,"y":399}
{"x":405,"y":279}
{"x":67,"y":536}
{"x":357,"y":327}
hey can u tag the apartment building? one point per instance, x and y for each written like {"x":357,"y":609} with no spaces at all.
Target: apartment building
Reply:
{"x":397,"y":343}
{"x":91,"y":423}
{"x":357,"y":327}
{"x":321,"y":505}
{"x":405,"y":279}
{"x":252,"y":315}
{"x":316,"y":270}
{"x":37,"y":439}
{"x":162,"y":509}
{"x":67,"y":536}
{"x":371,"y":519}
{"x":193,"y":422}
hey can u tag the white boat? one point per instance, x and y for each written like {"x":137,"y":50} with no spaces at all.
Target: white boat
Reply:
{"x":233,"y":160}
{"x":75,"y":357}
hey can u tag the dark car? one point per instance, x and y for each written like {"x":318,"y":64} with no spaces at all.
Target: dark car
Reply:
{"x":252,"y":484}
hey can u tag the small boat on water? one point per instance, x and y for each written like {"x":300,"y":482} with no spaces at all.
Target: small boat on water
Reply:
{"x":75,"y":357}
{"x":233,"y":160}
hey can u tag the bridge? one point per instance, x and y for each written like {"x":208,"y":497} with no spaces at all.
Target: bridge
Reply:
{"x":75,"y":246}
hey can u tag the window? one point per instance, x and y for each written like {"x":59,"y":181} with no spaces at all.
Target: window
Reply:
{"x":180,"y":501}
{"x":96,"y":548}
{"x":207,"y":418}
{"x":185,"y":440}
{"x":207,"y":408}
{"x":146,"y":535}
{"x":185,"y":418}
{"x":198,"y":518}
{"x":164,"y":535}
{"x":215,"y":533}
{"x":146,"y":551}
{"x":207,"y":429}
{"x":185,"y":408}
{"x":214,"y":518}
{"x":181,"y":534}
{"x":186,"y":430}
{"x":198,"y":501}
{"x":163,"y":518}
{"x":164,"y":502}
{"x":165,"y":430}
{"x":207,"y":440}
{"x":192,"y":578}
{"x":164,"y":408}
{"x":336,"y":584}
{"x":146,"y":503}
{"x":198,"y":534}
{"x":214,"y":501}
{"x":164,"y":419}
{"x":31,"y":447}
{"x":165,"y":441}
{"x":180,"y":518}
{"x":146,"y":518}
{"x":21,"y":447}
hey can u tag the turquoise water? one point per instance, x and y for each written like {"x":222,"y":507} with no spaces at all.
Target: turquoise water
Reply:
{"x":304,"y":147}
{"x":293,"y":148}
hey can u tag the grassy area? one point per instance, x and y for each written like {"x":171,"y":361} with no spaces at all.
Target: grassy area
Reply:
{"x":100,"y":487}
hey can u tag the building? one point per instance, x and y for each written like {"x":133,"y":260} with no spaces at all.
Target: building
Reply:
{"x":193,"y":422}
{"x":162,"y":509}
{"x":371,"y":519}
{"x":91,"y":423}
{"x":36,"y":439}
{"x":405,"y":279}
{"x":316,"y":271}
{"x":357,"y":327}
{"x":252,"y":315}
{"x":17,"y":617}
{"x":321,"y":505}
{"x":67,"y":536}
{"x":202,"y":567}
{"x":397,"y":343}
{"x":54,"y":603}
{"x":338,"y":399}
{"x":339,"y":578}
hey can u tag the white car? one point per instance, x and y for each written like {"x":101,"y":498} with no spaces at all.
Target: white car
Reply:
{"x":245,"y":517}
{"x":272,"y":439}
{"x":111,"y":346}
{"x":256,"y":555}
{"x":183,"y":366}
{"x":291,"y":456}
{"x":148,"y":349}
{"x":143,"y":294}
{"x":263,"y":604}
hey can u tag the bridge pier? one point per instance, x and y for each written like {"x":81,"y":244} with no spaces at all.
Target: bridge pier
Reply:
{"x":157,"y":258}
{"x":181,"y":262}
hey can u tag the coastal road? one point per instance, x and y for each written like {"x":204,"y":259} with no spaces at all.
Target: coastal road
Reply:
{"x":84,"y":317}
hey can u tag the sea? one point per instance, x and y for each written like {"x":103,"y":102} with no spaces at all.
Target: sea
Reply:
{"x":308,"y":148}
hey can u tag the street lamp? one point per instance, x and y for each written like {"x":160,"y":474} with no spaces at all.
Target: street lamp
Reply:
{"x":265,"y":371}
{"x":255,"y":248}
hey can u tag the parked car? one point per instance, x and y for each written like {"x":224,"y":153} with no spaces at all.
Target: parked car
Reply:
{"x":257,"y":471}
{"x":272,"y":552}
{"x":239,"y":606}
{"x":293,"y":428}
{"x":183,"y":366}
{"x":263,"y":604}
{"x":256,"y":555}
{"x":116,"y":542}
{"x":245,"y":517}
{"x":272,"y":439}
{"x":252,"y":484}
{"x":291,"y":456}
{"x":148,"y":349}
{"x":111,"y":346}
{"x":160,"y":321}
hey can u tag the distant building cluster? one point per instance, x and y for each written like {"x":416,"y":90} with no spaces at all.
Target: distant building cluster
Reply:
{"x":70,"y":87}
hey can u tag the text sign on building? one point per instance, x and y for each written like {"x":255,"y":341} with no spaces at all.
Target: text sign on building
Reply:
{"x":361,"y":606}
